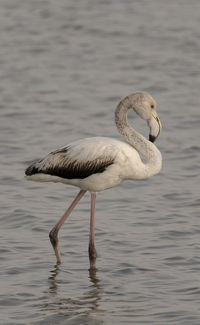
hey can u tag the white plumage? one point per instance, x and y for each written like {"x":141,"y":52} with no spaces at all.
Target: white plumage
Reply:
{"x":99,"y":163}
{"x":125,"y":163}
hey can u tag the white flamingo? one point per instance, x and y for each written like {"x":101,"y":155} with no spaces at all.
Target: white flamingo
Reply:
{"x":98,"y":163}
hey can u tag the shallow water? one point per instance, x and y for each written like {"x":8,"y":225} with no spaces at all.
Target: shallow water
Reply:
{"x":64,"y":67}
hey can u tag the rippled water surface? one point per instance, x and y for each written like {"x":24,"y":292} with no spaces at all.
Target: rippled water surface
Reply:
{"x":64,"y":66}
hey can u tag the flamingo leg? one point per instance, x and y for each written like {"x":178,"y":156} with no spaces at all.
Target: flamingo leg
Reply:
{"x":53,"y":235}
{"x":91,"y":248}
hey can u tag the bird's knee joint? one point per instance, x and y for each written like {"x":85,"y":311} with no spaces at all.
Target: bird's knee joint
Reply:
{"x":53,"y":236}
{"x":92,"y":252}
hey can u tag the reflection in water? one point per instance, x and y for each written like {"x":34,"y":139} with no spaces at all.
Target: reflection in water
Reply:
{"x":92,"y":274}
{"x":87,"y":304}
{"x":53,"y":287}
{"x":96,"y":290}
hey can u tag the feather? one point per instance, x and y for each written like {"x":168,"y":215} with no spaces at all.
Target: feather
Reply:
{"x":61,"y":163}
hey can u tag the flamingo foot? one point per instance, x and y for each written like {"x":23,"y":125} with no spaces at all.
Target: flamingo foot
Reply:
{"x":92,"y":255}
{"x":53,"y":236}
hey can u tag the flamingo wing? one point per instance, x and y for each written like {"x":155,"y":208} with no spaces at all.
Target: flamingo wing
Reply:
{"x":76,"y":161}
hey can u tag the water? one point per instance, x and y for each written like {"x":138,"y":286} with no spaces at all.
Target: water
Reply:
{"x":64,"y":66}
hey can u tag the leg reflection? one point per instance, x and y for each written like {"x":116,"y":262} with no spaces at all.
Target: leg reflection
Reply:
{"x":53,"y":287}
{"x":63,"y":293}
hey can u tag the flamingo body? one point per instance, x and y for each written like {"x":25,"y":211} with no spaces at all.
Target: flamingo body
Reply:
{"x":92,"y":164}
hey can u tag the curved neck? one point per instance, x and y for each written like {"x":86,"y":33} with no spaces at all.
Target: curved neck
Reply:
{"x":135,"y":139}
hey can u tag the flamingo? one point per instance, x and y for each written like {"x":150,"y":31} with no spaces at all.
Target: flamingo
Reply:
{"x":99,"y":163}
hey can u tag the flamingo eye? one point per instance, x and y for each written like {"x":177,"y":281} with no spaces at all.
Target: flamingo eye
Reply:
{"x":152,"y":106}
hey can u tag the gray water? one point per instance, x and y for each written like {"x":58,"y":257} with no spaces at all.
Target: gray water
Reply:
{"x":64,"y":66}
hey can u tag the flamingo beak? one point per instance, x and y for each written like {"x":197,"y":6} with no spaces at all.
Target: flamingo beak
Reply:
{"x":155,"y":127}
{"x":152,"y":138}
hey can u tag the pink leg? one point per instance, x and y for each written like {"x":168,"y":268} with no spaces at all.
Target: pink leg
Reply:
{"x":91,"y":249}
{"x":53,"y":235}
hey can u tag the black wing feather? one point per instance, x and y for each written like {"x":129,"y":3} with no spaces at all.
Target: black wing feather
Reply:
{"x":67,"y":168}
